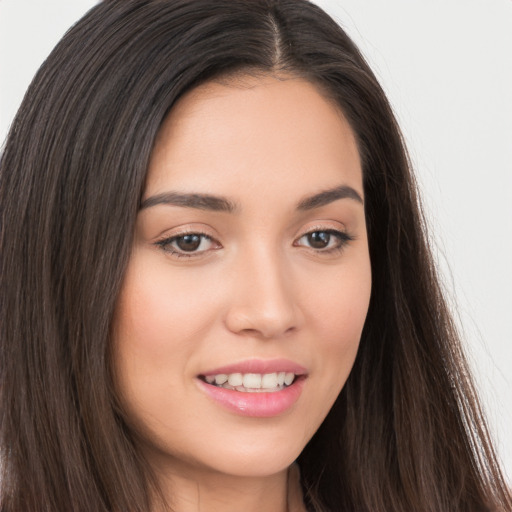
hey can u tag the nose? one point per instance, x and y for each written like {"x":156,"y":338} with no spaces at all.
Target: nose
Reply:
{"x":263,"y":302}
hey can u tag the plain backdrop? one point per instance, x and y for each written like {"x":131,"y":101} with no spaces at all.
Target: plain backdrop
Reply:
{"x":446,"y":66}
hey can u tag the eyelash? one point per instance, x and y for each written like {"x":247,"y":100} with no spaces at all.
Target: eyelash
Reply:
{"x":165,"y":244}
{"x":343,"y":238}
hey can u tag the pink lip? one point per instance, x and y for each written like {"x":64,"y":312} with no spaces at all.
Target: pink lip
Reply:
{"x":259,"y":405}
{"x":259,"y":366}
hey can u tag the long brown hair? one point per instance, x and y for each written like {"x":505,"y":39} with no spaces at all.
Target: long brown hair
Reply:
{"x":406,"y":432}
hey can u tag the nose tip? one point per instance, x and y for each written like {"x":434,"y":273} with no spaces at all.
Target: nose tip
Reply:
{"x":264,"y":305}
{"x":260,"y":324}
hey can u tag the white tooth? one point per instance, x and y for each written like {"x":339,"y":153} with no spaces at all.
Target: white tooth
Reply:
{"x":269,"y":380}
{"x":221,"y":378}
{"x":210,"y":379}
{"x":280,"y":378}
{"x":288,"y":378}
{"x":235,"y":379}
{"x":252,"y":380}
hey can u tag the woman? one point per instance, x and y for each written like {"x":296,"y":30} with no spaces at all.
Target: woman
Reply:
{"x":214,"y":265}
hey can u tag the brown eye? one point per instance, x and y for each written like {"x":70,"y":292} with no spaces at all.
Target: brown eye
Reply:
{"x":325,"y":241}
{"x":319,"y":239}
{"x":188,"y":243}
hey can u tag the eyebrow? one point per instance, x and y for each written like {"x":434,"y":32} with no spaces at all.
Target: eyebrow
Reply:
{"x":197,"y":201}
{"x":329,"y":196}
{"x":221,"y":204}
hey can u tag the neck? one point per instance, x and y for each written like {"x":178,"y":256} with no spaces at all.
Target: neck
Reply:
{"x":188,"y":489}
{"x":205,"y":492}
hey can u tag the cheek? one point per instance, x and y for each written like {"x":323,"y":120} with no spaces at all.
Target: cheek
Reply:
{"x":155,"y":337}
{"x":338,"y":312}
{"x":154,"y":343}
{"x":154,"y":311}
{"x":339,"y":304}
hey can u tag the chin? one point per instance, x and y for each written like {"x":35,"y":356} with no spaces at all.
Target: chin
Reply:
{"x":257,"y":455}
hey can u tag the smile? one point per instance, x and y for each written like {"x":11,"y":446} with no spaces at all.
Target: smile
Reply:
{"x":252,"y":382}
{"x":255,"y":388}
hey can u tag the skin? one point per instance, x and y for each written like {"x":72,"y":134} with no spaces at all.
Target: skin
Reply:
{"x":256,"y":288}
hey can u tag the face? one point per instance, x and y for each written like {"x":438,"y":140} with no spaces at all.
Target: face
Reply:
{"x":249,"y":280}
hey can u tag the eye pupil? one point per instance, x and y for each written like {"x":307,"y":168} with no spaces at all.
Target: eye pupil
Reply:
{"x":319,"y":239}
{"x":188,"y":242}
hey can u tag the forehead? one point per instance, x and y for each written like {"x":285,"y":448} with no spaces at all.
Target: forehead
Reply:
{"x":234,"y":133}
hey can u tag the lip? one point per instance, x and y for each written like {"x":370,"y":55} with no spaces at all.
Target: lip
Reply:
{"x":259,"y":366}
{"x":256,"y":405}
{"x":261,"y":404}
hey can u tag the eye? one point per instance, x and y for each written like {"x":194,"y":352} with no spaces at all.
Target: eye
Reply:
{"x":325,"y":240}
{"x":188,"y":244}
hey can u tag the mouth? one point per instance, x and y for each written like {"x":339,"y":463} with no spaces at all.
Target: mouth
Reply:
{"x":252,"y":382}
{"x":255,"y":388}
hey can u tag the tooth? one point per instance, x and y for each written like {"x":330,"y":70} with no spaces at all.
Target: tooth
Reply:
{"x":288,"y":378}
{"x":221,"y":378}
{"x":235,"y":379}
{"x":269,"y":380}
{"x":252,"y":380}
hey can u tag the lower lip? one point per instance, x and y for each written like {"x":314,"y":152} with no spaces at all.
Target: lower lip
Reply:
{"x":258,"y":405}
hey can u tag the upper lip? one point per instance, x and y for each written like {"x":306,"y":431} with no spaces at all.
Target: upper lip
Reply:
{"x":261,"y":366}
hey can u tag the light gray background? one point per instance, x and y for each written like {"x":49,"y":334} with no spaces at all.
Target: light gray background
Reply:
{"x":446,"y":66}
